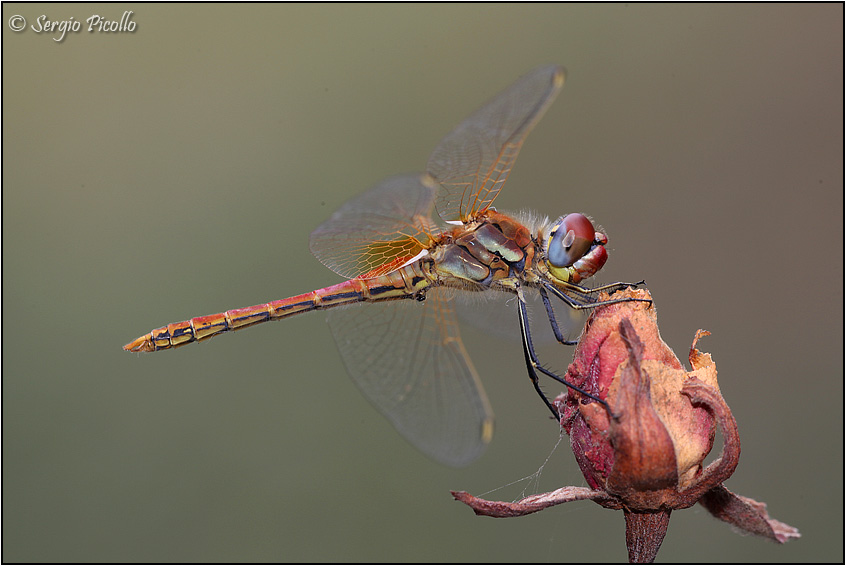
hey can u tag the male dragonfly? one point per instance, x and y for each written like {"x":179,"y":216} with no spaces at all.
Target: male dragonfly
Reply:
{"x":406,"y":356}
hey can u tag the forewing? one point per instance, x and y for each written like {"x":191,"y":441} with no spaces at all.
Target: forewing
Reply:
{"x":473,"y":161}
{"x":407,"y":358}
{"x":379,"y":230}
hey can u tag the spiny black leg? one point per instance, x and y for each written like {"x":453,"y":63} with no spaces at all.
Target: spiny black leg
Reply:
{"x":554,"y":323}
{"x":618,"y":286}
{"x":589,"y":302}
{"x":532,"y":363}
{"x":587,"y":294}
{"x":529,"y":354}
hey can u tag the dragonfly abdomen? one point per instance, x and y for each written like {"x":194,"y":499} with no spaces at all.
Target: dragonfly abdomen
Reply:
{"x":405,"y":283}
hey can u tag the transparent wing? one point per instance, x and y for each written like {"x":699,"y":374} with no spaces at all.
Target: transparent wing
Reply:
{"x":407,"y":358}
{"x":496,"y":313}
{"x":379,"y":230}
{"x":473,"y":161}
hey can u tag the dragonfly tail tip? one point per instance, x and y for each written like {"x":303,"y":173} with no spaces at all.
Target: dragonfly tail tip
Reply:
{"x":142,"y":344}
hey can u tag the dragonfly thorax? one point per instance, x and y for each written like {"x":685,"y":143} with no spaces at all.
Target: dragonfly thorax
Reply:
{"x":485,"y":253}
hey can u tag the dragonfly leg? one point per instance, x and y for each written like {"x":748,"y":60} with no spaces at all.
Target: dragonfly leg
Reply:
{"x":552,"y":321}
{"x":533,"y":365}
{"x":586,"y":294}
{"x":588,"y":302}
{"x":618,"y":286}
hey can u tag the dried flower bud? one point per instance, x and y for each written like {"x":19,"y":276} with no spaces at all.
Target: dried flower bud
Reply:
{"x":656,"y":440}
{"x":643,"y":452}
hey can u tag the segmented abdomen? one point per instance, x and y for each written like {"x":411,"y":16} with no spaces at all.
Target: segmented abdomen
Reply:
{"x":406,"y":282}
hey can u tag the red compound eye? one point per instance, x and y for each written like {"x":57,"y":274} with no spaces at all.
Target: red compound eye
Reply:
{"x":572,"y":239}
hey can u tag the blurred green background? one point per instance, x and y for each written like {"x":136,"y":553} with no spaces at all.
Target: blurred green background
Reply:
{"x":178,"y":170}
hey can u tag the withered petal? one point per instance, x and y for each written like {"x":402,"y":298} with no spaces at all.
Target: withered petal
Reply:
{"x":746,"y":514}
{"x":531,"y":504}
{"x":723,"y":467}
{"x":645,"y":455}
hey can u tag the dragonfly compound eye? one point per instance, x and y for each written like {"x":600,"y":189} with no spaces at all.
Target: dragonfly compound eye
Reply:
{"x":571,"y":240}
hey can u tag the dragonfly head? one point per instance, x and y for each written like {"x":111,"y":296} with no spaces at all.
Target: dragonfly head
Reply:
{"x":574,"y":249}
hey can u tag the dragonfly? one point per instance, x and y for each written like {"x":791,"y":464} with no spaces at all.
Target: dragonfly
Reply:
{"x":399,"y":336}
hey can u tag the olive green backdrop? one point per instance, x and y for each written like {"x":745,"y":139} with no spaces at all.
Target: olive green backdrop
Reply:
{"x":177,"y":171}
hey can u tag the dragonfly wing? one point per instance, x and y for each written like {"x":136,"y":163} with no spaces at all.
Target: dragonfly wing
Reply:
{"x":407,"y":358}
{"x":379,"y":230}
{"x":473,"y":161}
{"x":498,"y":316}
